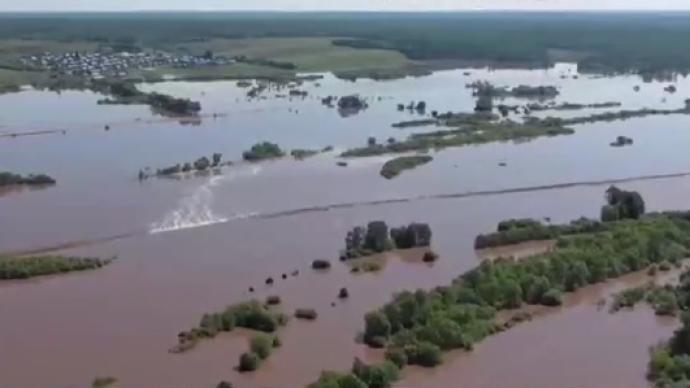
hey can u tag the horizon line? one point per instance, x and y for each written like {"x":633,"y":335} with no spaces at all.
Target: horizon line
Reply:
{"x":288,"y":11}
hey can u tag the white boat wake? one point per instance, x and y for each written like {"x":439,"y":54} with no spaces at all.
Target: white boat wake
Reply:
{"x":196,"y":209}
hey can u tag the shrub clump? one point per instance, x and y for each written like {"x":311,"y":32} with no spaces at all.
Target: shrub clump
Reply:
{"x":249,"y":362}
{"x":261,"y":344}
{"x":250,"y":315}
{"x":320,"y":264}
{"x":102,"y":382}
{"x":262,"y":151}
{"x":307,"y":314}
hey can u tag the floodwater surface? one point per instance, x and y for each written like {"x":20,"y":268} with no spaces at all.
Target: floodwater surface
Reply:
{"x":196,"y":244}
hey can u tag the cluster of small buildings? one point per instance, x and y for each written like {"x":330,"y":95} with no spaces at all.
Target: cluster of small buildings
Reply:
{"x":101,"y":65}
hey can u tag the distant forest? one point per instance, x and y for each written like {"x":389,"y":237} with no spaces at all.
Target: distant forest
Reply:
{"x":642,"y":42}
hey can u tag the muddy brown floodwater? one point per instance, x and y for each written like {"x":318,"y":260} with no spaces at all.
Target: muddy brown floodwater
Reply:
{"x":195,"y":245}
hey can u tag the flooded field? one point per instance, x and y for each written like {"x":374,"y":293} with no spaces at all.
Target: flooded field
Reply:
{"x":196,"y":244}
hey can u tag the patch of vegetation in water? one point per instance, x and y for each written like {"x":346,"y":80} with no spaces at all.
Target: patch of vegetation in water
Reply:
{"x":12,"y":268}
{"x":261,"y":347}
{"x":202,"y":164}
{"x":480,"y":133}
{"x":262,"y":151}
{"x":609,"y":116}
{"x":571,"y":106}
{"x":422,"y":324}
{"x":126,"y":93}
{"x":376,"y":238}
{"x":620,"y":204}
{"x":361,"y":375}
{"x":395,"y":167}
{"x":662,"y":299}
{"x":486,"y":89}
{"x":251,"y":315}
{"x":301,"y":154}
{"x":11,"y":179}
{"x":415,"y":123}
{"x":103,"y":382}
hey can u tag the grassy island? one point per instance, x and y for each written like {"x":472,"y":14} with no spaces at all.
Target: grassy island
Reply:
{"x":480,"y":133}
{"x":395,"y":167}
{"x":16,"y":268}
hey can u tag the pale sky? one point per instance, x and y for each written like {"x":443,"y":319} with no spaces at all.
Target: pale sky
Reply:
{"x":365,"y":5}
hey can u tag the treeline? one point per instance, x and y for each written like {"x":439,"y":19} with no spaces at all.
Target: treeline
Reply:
{"x":11,"y":179}
{"x":523,"y":230}
{"x":609,"y":116}
{"x":376,"y":238}
{"x":620,"y":205}
{"x":266,"y":62}
{"x":14,"y":268}
{"x":250,"y":315}
{"x":646,"y":43}
{"x":415,"y":327}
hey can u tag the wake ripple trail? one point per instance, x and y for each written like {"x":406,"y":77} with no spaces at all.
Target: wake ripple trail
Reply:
{"x":195,"y":210}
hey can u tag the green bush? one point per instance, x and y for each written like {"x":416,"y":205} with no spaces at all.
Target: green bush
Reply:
{"x":261,"y":151}
{"x":249,"y":362}
{"x":397,"y":356}
{"x":224,"y":384}
{"x":377,"y":325}
{"x":250,"y":315}
{"x":376,"y":376}
{"x":552,"y":297}
{"x":261,"y":345}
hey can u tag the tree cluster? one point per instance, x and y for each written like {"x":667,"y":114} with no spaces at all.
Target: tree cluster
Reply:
{"x":376,"y":238}
{"x":262,"y":151}
{"x":621,"y":205}
{"x":250,"y":315}
{"x":416,"y":326}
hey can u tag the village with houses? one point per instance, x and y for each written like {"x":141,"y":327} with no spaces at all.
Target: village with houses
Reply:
{"x":100,"y":65}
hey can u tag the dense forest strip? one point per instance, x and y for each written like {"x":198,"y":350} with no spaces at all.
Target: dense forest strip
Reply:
{"x":650,"y":42}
